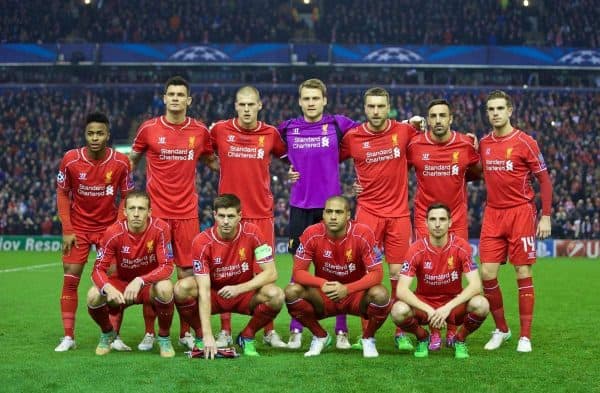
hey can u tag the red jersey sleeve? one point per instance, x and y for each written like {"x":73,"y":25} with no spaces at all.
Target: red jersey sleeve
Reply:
{"x":466,"y":256}
{"x":412,"y":260}
{"x":345,"y":149}
{"x":201,"y":254}
{"x":302,"y":260}
{"x":533,"y":156}
{"x":279,"y":147}
{"x":140,"y":142}
{"x":105,"y":257}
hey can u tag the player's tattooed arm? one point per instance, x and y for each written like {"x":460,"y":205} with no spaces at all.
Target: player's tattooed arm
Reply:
{"x":134,"y":159}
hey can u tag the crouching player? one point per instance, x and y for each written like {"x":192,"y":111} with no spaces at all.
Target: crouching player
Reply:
{"x":140,"y":247}
{"x":225,"y":258}
{"x":347,"y":277}
{"x":439,"y":261}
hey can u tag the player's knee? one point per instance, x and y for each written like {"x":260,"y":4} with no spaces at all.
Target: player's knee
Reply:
{"x":523,"y":271}
{"x":378,"y":295}
{"x":479,"y":306}
{"x":489,"y":271}
{"x":293,"y":292}
{"x":274,"y":294}
{"x":163,"y":290}
{"x":400,"y":311}
{"x":184,"y":288}
{"x":94,"y":297}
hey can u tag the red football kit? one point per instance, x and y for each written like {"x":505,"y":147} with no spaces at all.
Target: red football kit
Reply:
{"x":245,"y":157}
{"x":509,"y":221}
{"x":440,"y":170}
{"x":438,"y":270}
{"x":229,"y":262}
{"x":172,"y":152}
{"x":382,"y":170}
{"x":93,"y":186}
{"x":354,"y":260}
{"x":147,"y":255}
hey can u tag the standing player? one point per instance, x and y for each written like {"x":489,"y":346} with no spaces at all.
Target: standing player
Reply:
{"x":347,"y":277}
{"x":140,"y":247}
{"x":173,"y":143}
{"x":441,"y":158}
{"x":510,"y":158}
{"x":378,"y":148}
{"x":244,"y":146}
{"x":234,"y":271}
{"x":313,"y":141}
{"x":88,"y":182}
{"x":439,"y":261}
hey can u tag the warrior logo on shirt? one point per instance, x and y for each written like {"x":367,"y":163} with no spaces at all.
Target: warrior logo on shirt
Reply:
{"x":366,"y":145}
{"x":150,"y":246}
{"x":451,"y":262}
{"x":191,"y":142}
{"x":261,"y":141}
{"x":428,"y":265}
{"x":108,"y":177}
{"x":125,"y":250}
{"x":162,"y":140}
{"x":327,"y":254}
{"x":82,"y":176}
{"x":230,"y":138}
{"x":349,"y":255}
{"x":425,"y":157}
{"x":455,"y":156}
{"x":242,"y":253}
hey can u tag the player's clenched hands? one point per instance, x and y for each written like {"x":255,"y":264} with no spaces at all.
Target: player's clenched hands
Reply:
{"x":229,"y":291}
{"x":293,"y":176}
{"x":544,"y":228}
{"x":335,"y":290}
{"x":68,"y":242}
{"x":437,"y":319}
{"x":357,"y":188}
{"x":113,"y":295}
{"x":133,"y":289}
{"x":210,"y":347}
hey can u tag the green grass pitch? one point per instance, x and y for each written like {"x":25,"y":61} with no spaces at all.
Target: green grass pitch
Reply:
{"x":564,"y":359}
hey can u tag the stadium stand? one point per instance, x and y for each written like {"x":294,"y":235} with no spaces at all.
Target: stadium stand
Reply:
{"x":483,"y":22}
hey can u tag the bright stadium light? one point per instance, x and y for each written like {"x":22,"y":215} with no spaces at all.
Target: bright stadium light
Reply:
{"x":306,"y":2}
{"x":87,"y":2}
{"x":526,"y":3}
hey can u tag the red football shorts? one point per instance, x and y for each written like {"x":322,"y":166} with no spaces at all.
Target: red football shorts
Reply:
{"x":391,"y":233}
{"x":421,"y":232}
{"x":182,"y":234}
{"x":239,"y":304}
{"x":267,"y":228}
{"x":508,"y":233}
{"x":143,"y":296}
{"x":348,"y":305}
{"x":79,"y":255}
{"x":456,"y":316}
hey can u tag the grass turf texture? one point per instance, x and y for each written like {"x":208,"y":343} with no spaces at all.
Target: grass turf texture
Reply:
{"x":564,"y":357}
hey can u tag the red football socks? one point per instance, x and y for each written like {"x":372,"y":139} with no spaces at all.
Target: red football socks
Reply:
{"x":68,"y":303}
{"x":491,"y":290}
{"x":526,"y":302}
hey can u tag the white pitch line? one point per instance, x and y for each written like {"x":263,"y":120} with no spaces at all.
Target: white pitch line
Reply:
{"x":32,"y":267}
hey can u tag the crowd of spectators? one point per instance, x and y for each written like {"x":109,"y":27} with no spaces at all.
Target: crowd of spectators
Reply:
{"x":38,"y":125}
{"x":482,"y":22}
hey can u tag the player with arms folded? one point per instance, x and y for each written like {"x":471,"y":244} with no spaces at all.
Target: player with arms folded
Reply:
{"x":173,"y":143}
{"x":347,"y":278}
{"x":310,"y":189}
{"x":226,"y":259}
{"x":378,"y":148}
{"x":443,"y":159}
{"x":244,"y":146}
{"x":510,"y":159}
{"x":439,"y":261}
{"x":140,"y":247}
{"x":88,"y":183}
